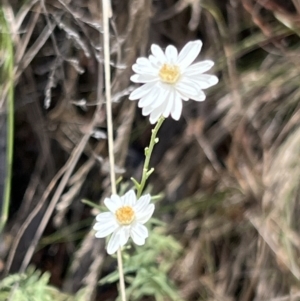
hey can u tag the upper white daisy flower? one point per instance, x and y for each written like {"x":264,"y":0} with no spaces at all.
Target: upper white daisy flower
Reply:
{"x":126,"y":219}
{"x":169,"y":77}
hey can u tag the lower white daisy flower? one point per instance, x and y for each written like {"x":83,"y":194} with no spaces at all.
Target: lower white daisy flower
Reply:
{"x":126,"y":219}
{"x":169,"y":78}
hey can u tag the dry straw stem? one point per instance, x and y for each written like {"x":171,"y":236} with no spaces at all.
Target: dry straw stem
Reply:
{"x":106,"y":15}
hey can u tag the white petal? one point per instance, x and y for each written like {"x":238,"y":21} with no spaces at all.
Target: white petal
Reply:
{"x":155,"y":62}
{"x":204,"y":81}
{"x":113,"y":203}
{"x":147,"y":110}
{"x":143,"y":78}
{"x":187,"y":87}
{"x":144,"y":216}
{"x":182,"y":96}
{"x":198,"y":68}
{"x":124,"y":235}
{"x":129,"y":198}
{"x":171,"y":54}
{"x":169,"y":104}
{"x":189,"y":53}
{"x":114,"y":243}
{"x":142,"y":203}
{"x":118,"y":239}
{"x":140,"y":69}
{"x":138,"y":234}
{"x":145,"y":101}
{"x":177,"y":108}
{"x":163,"y":95}
{"x":156,"y":113}
{"x":117,"y":199}
{"x":104,"y":217}
{"x":105,"y":229}
{"x":199,"y":97}
{"x":141,"y":91}
{"x":158,"y":53}
{"x":143,"y":61}
{"x":150,"y":98}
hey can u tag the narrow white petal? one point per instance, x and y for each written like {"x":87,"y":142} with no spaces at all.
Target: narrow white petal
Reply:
{"x":143,"y":78}
{"x":182,"y":96}
{"x":106,"y":229}
{"x":204,"y":81}
{"x":143,"y":61}
{"x":129,"y":198}
{"x":198,"y":68}
{"x":138,"y":234}
{"x":177,"y":108}
{"x":142,"y":203}
{"x":188,"y":95}
{"x":155,"y":62}
{"x":156,"y":113}
{"x":169,"y":103}
{"x":144,"y":216}
{"x":124,"y":235}
{"x":187,"y":88}
{"x":147,"y":110}
{"x":104,"y":217}
{"x":141,"y":91}
{"x":116,"y":199}
{"x":145,"y":101}
{"x":144,"y":69}
{"x":189,"y":53}
{"x":171,"y":54}
{"x":113,"y":203}
{"x":118,"y":239}
{"x":200,"y":96}
{"x":114,"y":242}
{"x":158,"y":53}
{"x":163,"y":95}
{"x":150,"y":98}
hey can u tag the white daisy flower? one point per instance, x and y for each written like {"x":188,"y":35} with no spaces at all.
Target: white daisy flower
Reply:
{"x":169,"y":78}
{"x":126,"y":219}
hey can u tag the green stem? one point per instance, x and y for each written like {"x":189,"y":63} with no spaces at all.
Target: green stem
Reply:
{"x":148,"y":152}
{"x":7,"y":73}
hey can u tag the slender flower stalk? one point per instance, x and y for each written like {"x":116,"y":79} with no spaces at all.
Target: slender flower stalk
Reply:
{"x":106,"y":15}
{"x":128,"y":214}
{"x":148,"y":152}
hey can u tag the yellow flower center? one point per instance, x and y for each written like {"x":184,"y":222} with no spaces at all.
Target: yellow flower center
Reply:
{"x":125,"y":215}
{"x":169,"y":73}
